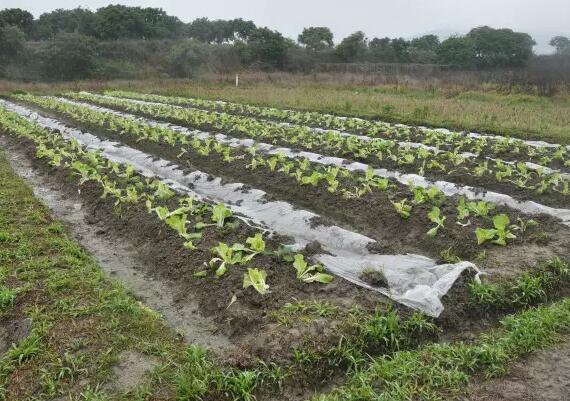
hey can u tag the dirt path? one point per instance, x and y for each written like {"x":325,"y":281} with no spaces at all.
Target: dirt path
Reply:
{"x":118,"y":259}
{"x":544,"y":376}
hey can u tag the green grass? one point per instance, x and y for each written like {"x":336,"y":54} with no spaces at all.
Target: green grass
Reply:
{"x":439,"y":371}
{"x":531,"y":288}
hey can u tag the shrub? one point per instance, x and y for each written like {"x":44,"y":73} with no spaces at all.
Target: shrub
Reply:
{"x":70,"y":56}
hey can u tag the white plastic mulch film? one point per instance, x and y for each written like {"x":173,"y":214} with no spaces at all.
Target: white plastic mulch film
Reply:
{"x":449,"y":189}
{"x":413,"y":280}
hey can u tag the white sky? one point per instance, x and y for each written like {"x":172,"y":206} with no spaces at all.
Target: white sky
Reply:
{"x":406,"y":18}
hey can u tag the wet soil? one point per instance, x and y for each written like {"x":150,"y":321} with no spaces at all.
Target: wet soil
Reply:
{"x":415,"y":135}
{"x":543,"y":376}
{"x":373,"y":214}
{"x":458,"y":175}
{"x":166,"y":270}
{"x":119,"y":259}
{"x":160,"y":258}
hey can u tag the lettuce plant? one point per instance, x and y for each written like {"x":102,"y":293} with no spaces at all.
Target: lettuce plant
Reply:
{"x":497,"y":235}
{"x":310,"y":274}
{"x":256,"y":278}
{"x":435,"y":217}
{"x":402,"y":208}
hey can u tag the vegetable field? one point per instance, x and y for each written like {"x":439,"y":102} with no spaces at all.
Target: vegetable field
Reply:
{"x":333,"y":257}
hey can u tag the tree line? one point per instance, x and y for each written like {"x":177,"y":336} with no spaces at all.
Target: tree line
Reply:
{"x":67,"y":43}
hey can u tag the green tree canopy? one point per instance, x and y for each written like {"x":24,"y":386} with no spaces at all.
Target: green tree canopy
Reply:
{"x":457,"y":50}
{"x":400,"y":47}
{"x":316,"y":38}
{"x":501,"y":47}
{"x":561,"y":44}
{"x":219,"y":31}
{"x":382,"y":50}
{"x":18,"y":18}
{"x":352,"y":48}
{"x":12,"y":41}
{"x":70,"y":56}
{"x":267,"y":46}
{"x":58,"y":21}
{"x":426,"y":42}
{"x":117,"y":21}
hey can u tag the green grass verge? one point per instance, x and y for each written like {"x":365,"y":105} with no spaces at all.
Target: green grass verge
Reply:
{"x":440,"y":371}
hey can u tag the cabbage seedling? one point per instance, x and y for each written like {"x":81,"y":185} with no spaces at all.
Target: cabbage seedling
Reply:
{"x":499,"y":234}
{"x":402,"y":209}
{"x":256,"y":278}
{"x":310,"y":274}
{"x":435,"y":217}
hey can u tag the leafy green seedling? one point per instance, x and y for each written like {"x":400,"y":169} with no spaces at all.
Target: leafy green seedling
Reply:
{"x":435,"y":217}
{"x":312,"y":273}
{"x":497,"y":235}
{"x":256,"y":278}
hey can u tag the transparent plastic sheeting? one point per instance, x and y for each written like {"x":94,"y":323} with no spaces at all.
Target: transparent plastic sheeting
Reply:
{"x":448,"y":188}
{"x":413,"y":280}
{"x":467,"y":155}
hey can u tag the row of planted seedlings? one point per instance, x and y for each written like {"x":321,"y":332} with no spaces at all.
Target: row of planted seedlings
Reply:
{"x":505,"y":151}
{"x":501,"y":232}
{"x":521,"y":180}
{"x":382,"y":333}
{"x":511,"y":305}
{"x":190,"y":218}
{"x":376,"y":203}
{"x":501,"y":147}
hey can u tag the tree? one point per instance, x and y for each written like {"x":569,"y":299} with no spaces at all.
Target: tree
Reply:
{"x":69,"y":56}
{"x":17,"y":17}
{"x":267,"y":46}
{"x":59,"y":21}
{"x":242,"y":29}
{"x":12,"y":41}
{"x":117,"y":21}
{"x":561,"y":44}
{"x":457,"y":50}
{"x":352,"y":48}
{"x":381,"y":50}
{"x":400,"y":47}
{"x":316,"y":38}
{"x":187,"y":57}
{"x":426,"y":42}
{"x":501,"y":47}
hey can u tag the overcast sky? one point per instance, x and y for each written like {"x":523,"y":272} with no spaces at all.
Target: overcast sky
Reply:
{"x":406,"y":18}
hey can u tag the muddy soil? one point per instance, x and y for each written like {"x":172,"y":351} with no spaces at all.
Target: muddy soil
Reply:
{"x":458,"y":175}
{"x":160,"y":262}
{"x":119,"y":259}
{"x":543,"y":376}
{"x":373,"y":215}
{"x":415,"y":135}
{"x":152,"y":261}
